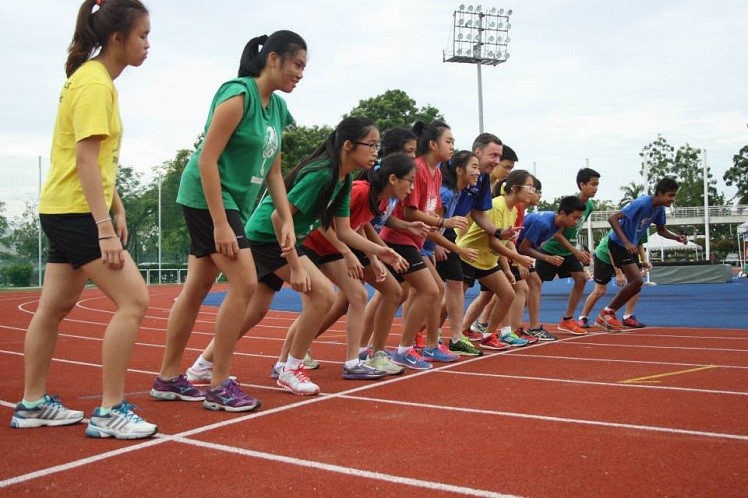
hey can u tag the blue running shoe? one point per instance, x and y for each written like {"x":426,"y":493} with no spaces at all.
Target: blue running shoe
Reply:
{"x":411,"y":360}
{"x":440,"y":354}
{"x":511,"y":339}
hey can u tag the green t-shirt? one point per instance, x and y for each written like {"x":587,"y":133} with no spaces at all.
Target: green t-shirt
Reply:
{"x":248,"y":155}
{"x":303,"y":196}
{"x":551,"y":246}
{"x":601,"y":251}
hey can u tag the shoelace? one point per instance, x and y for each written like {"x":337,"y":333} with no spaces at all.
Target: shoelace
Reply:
{"x":53,"y":401}
{"x":125,"y":409}
{"x":300,"y":373}
{"x":413,"y":352}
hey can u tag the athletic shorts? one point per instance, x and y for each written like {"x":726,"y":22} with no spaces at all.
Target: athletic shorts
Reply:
{"x":329,"y":258}
{"x":450,"y":268}
{"x":604,"y":272}
{"x":267,"y":256}
{"x":200,"y":228}
{"x":483,"y":288}
{"x":73,"y":238}
{"x":547,"y":271}
{"x":412,"y":255}
{"x":620,"y":256}
{"x":470,"y":273}
{"x":515,"y":271}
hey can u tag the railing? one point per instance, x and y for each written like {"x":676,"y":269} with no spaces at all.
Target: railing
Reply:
{"x":168,"y":275}
{"x":686,"y":212}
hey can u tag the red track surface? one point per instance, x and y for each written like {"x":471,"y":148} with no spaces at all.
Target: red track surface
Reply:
{"x":552,"y":419}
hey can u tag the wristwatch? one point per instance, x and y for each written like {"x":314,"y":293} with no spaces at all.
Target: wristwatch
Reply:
{"x":497,"y":233}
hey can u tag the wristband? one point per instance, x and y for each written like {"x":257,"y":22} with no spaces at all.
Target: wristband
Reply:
{"x":497,"y":233}
{"x":103,"y":221}
{"x":107,"y":237}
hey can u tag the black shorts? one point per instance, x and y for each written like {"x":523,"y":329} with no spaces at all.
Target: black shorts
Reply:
{"x":412,"y":255}
{"x":604,"y":272}
{"x":267,"y":256}
{"x":620,"y":256}
{"x":470,"y":273}
{"x":515,"y":272}
{"x":450,"y":268}
{"x":200,"y":227}
{"x":547,"y":271}
{"x":316,"y":258}
{"x":73,"y":238}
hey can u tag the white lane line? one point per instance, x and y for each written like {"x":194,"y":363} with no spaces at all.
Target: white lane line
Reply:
{"x":613,"y":360}
{"x":642,"y":346}
{"x":565,"y":420}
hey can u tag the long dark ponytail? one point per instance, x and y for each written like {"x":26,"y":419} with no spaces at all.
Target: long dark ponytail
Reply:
{"x":327,"y":155}
{"x":254,"y":59}
{"x":96,"y":21}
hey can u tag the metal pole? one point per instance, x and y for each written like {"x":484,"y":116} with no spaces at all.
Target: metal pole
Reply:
{"x":159,"y":228}
{"x":39,"y":225}
{"x":707,"y":231}
{"x":479,"y":55}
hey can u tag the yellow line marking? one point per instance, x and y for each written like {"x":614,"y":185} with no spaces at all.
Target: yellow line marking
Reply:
{"x":650,"y":378}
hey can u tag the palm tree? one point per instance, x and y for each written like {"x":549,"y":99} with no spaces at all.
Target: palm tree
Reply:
{"x":630,"y":192}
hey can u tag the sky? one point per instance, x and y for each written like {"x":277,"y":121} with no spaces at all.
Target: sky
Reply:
{"x":587,"y":82}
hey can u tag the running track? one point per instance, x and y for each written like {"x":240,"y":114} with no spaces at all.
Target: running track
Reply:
{"x":656,"y":412}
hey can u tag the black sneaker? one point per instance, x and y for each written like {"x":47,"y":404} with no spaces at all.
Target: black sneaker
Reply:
{"x":541,"y":334}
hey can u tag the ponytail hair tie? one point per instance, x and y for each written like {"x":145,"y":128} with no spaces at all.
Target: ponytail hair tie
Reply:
{"x":377,"y":166}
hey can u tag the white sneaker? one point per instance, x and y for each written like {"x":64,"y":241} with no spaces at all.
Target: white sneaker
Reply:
{"x":121,"y":423}
{"x":298,"y":382}
{"x":309,"y":362}
{"x":381,"y":361}
{"x":200,"y":376}
{"x":50,"y":412}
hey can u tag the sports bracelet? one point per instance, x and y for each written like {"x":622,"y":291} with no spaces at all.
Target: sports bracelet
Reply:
{"x":103,"y":221}
{"x":108,"y":237}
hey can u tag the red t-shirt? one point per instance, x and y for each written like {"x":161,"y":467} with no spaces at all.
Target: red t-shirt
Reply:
{"x":360,"y":215}
{"x":424,"y":197}
{"x":520,"y":214}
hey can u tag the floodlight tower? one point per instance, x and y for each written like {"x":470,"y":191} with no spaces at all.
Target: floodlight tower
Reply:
{"x":479,"y":38}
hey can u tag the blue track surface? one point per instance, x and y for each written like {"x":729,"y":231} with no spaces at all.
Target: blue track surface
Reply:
{"x":685,"y":305}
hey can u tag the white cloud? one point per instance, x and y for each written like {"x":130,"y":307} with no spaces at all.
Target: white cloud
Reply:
{"x":586,"y":79}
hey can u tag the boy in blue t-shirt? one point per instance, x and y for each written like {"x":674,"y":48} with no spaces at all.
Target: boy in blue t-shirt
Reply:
{"x":537,"y":228}
{"x":629,"y":226}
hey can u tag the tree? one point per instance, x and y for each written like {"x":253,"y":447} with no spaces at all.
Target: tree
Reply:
{"x":685,"y":166}
{"x":24,"y":236}
{"x":3,"y":225}
{"x":300,"y":141}
{"x":630,"y":192}
{"x":394,"y":108}
{"x":737,"y":174}
{"x":138,"y":209}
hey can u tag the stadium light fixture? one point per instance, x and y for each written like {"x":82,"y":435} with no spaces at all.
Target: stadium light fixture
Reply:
{"x":479,"y":37}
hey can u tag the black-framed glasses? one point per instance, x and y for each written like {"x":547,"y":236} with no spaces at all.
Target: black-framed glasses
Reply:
{"x":373,"y":146}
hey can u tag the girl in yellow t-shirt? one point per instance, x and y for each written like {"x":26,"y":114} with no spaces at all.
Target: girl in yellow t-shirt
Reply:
{"x":487,"y":268}
{"x":84,"y":241}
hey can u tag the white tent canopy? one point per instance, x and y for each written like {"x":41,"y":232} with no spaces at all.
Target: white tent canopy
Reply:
{"x":661,"y":244}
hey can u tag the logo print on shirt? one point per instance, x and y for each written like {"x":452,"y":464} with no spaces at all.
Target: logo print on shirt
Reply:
{"x":270,"y":149}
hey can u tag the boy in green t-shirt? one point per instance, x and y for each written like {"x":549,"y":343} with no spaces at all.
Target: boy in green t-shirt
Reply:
{"x":563,"y":243}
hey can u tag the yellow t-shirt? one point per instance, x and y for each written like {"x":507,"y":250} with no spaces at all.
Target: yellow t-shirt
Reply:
{"x":475,"y":238}
{"x":88,"y":107}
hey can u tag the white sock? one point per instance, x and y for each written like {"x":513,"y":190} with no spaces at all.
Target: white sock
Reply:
{"x":280,"y":364}
{"x":362,"y":350}
{"x":202,"y":364}
{"x":292,"y":363}
{"x":403,"y":350}
{"x":351,"y":363}
{"x":626,"y":317}
{"x":505,"y":331}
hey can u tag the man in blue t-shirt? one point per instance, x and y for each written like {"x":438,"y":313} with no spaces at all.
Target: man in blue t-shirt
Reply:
{"x":629,"y":226}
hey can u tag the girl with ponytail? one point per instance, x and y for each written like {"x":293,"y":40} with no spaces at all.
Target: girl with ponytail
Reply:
{"x":217,"y":192}
{"x":435,"y":145}
{"x":76,"y":208}
{"x":319,"y":195}
{"x":342,"y":264}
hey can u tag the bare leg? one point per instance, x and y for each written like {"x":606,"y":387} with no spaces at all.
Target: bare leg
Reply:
{"x":61,"y":290}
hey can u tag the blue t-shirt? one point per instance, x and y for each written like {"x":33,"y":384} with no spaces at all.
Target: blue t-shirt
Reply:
{"x":639,"y":214}
{"x":537,"y":228}
{"x":379,"y":221}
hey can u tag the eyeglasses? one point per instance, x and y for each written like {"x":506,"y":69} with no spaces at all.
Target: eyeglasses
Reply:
{"x":530,"y":188}
{"x":373,"y":147}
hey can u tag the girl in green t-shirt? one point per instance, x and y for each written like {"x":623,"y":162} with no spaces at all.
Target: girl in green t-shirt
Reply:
{"x":319,"y":194}
{"x":217,"y":192}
